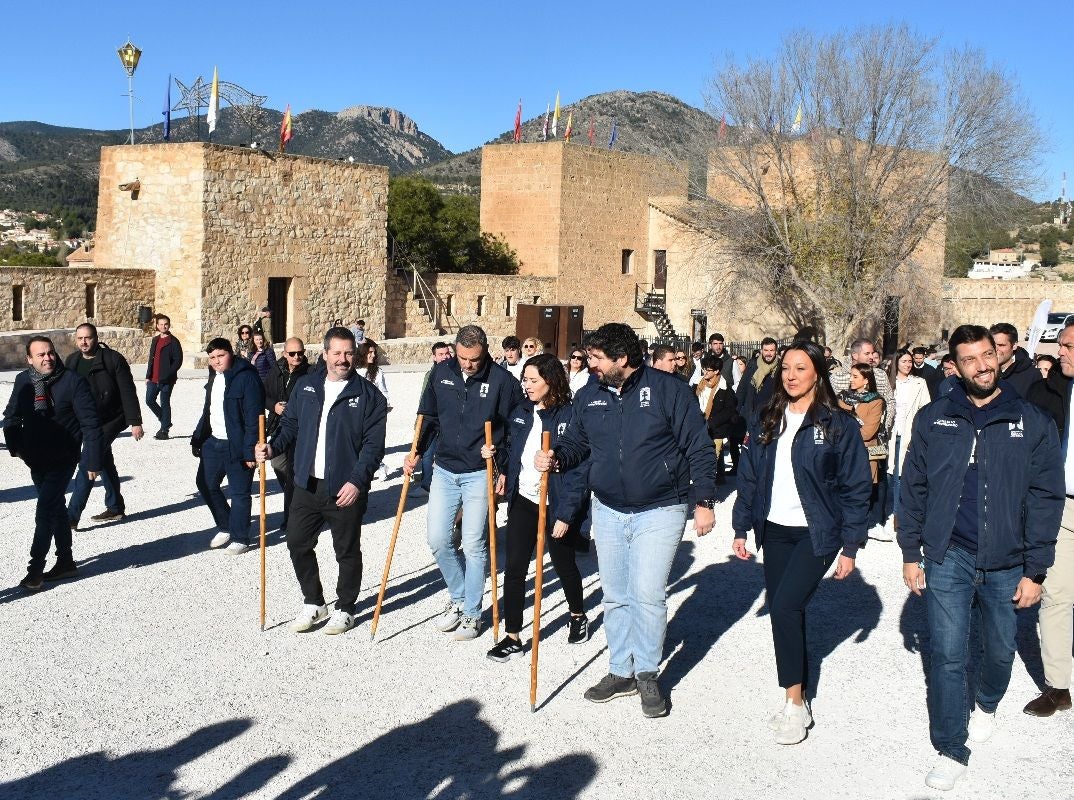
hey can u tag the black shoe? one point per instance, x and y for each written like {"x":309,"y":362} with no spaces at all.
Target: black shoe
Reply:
{"x":610,"y":687}
{"x":32,"y":583}
{"x":108,"y":515}
{"x":653,"y":703}
{"x":1050,"y":701}
{"x":61,"y":571}
{"x":507,"y":649}
{"x":73,"y":523}
{"x":161,"y":434}
{"x":579,"y":630}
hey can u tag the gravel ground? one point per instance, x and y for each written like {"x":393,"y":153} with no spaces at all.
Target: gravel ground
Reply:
{"x":148,"y":676}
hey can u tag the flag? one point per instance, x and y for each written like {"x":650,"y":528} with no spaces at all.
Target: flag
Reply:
{"x":167,"y":112}
{"x":285,"y":129}
{"x":570,"y":122}
{"x":214,"y":104}
{"x":614,"y":135}
{"x":721,"y":134}
{"x":544,"y":131}
{"x":518,"y":123}
{"x":797,"y":126}
{"x":592,"y":134}
{"x":555,"y":118}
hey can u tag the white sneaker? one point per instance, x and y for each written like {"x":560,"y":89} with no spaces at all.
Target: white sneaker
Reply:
{"x":238,"y":548}
{"x":794,"y":723}
{"x":340,"y":622}
{"x":220,"y":539}
{"x":449,"y":619}
{"x":469,"y":628}
{"x":982,"y":725}
{"x":945,"y":774}
{"x":881,"y":533}
{"x":308,"y":617}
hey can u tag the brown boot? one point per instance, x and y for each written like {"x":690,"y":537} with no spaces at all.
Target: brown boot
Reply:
{"x":1050,"y":701}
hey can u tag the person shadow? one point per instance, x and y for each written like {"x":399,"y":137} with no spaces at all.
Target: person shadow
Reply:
{"x":719,"y":596}
{"x":839,"y":611}
{"x":453,"y":753}
{"x":146,"y":773}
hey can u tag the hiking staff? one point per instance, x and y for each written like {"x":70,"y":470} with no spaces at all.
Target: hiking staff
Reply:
{"x":538,"y":576}
{"x":261,"y":469}
{"x":489,"y":467}
{"x":395,"y":533}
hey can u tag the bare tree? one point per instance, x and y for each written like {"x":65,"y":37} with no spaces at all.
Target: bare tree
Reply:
{"x":843,"y":158}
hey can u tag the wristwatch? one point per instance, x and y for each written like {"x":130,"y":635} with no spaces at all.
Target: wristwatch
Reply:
{"x":709,"y":504}
{"x":1038,"y":578}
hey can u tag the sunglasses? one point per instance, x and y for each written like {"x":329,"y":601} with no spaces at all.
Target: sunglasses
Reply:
{"x":296,"y":353}
{"x":577,"y":358}
{"x":680,"y":358}
{"x":529,"y":347}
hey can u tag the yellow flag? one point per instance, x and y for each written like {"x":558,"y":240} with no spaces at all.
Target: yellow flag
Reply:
{"x":214,"y":104}
{"x":555,"y":117}
{"x":797,"y":126}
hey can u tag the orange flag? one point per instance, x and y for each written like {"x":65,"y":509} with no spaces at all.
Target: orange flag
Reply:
{"x":285,"y":129}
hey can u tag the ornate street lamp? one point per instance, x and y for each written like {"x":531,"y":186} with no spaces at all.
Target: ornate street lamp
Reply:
{"x":128,"y":56}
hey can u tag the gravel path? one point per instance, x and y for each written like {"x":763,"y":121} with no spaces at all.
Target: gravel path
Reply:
{"x":148,"y":676}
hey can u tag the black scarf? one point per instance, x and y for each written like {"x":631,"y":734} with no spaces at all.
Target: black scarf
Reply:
{"x":42,"y":386}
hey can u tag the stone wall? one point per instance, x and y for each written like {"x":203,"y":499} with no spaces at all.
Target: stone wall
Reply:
{"x":55,"y":297}
{"x":133,"y":343}
{"x":984,"y":302}
{"x":462,"y":292}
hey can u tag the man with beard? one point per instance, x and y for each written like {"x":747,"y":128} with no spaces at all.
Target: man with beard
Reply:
{"x":110,"y":380}
{"x":1015,"y":365}
{"x":755,"y":387}
{"x":649,"y":454}
{"x":982,"y":498}
{"x":161,"y":373}
{"x":50,"y":419}
{"x":279,"y":383}
{"x":336,"y":422}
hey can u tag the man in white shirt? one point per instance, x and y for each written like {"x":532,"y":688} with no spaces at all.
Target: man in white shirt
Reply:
{"x":336,"y":421}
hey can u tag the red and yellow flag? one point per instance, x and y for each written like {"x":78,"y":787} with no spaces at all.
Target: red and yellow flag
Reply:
{"x":285,"y":129}
{"x":570,"y":124}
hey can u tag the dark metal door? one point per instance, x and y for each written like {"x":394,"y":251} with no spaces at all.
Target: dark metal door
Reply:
{"x":660,"y":269}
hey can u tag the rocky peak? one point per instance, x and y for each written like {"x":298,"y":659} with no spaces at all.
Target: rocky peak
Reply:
{"x":385,"y":116}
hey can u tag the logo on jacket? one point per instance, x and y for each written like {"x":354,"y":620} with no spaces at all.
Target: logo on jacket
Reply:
{"x":1017,"y":428}
{"x":643,"y":397}
{"x":309,"y":389}
{"x":484,"y":390}
{"x":519,"y":420}
{"x":448,"y":382}
{"x":818,"y":436}
{"x":596,"y":403}
{"x":560,"y":428}
{"x":946,"y":423}
{"x":353,"y":402}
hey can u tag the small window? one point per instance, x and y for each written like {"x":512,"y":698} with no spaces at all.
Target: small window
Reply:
{"x":16,"y":304}
{"x":480,"y":305}
{"x":536,"y":299}
{"x":91,"y":300}
{"x":509,"y":306}
{"x":449,"y":304}
{"x":628,"y":262}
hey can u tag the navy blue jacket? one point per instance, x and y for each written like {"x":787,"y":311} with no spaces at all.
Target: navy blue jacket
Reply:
{"x":244,"y":402}
{"x":831,"y":473}
{"x":355,"y":432}
{"x":458,"y":410}
{"x":1020,"y":482}
{"x":567,"y":491}
{"x":645,"y":444}
{"x":171,"y":359}
{"x":53,"y":438}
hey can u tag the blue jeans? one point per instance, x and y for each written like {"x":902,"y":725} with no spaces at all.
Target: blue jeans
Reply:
{"x":634,"y":555}
{"x":952,"y":588}
{"x":895,"y":477}
{"x":216,"y":463}
{"x":464,"y":573}
{"x":427,"y":464}
{"x":50,"y":517}
{"x":162,"y":412}
{"x":80,"y":493}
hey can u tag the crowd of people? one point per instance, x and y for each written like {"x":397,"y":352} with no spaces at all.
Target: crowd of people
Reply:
{"x":962,"y":459}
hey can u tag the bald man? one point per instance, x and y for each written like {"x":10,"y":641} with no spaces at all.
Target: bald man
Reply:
{"x":279,"y":382}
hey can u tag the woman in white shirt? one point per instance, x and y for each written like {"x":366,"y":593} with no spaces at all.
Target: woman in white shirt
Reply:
{"x":911,"y":395}
{"x":577,"y":370}
{"x":367,"y":357}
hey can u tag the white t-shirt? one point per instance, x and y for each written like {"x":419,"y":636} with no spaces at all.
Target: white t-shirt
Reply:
{"x":380,"y":382}
{"x":529,"y":479}
{"x":786,"y":506}
{"x":332,"y":391}
{"x":1069,"y":465}
{"x":515,"y":369}
{"x":217,"y":423}
{"x":578,"y":380}
{"x":904,"y":394}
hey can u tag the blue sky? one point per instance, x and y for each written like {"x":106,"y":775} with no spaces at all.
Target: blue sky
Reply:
{"x":459,"y":69}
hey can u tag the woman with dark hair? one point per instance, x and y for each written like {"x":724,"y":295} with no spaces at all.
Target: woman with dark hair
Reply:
{"x":262,"y":356}
{"x":244,"y":345}
{"x":864,"y":401}
{"x":718,"y":406}
{"x":911,"y":395}
{"x":367,"y":354}
{"x":803,"y":487}
{"x":577,"y":369}
{"x":547,"y":407}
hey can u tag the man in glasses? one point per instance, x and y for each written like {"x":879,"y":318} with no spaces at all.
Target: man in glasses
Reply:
{"x":279,"y":383}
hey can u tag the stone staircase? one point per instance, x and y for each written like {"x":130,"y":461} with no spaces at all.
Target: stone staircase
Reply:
{"x":406,"y":315}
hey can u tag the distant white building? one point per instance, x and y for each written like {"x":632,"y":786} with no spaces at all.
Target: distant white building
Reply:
{"x":1003,"y":264}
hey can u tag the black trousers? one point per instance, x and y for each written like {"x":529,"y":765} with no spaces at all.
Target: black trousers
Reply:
{"x":311,"y":508}
{"x":283,"y":466}
{"x":791,"y":575}
{"x":521,"y":543}
{"x":50,"y":517}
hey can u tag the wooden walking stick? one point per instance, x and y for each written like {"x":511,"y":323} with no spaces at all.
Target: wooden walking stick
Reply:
{"x":492,"y":536}
{"x":261,"y":466}
{"x":538,"y":577}
{"x":395,"y":534}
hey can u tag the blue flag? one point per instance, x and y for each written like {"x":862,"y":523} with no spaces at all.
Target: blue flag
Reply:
{"x":168,"y":110}
{"x":614,"y":136}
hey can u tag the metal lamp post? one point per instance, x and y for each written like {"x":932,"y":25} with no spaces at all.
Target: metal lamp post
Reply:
{"x":128,"y":56}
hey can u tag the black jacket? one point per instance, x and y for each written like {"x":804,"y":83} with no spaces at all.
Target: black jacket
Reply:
{"x":1053,"y":395}
{"x":53,"y":438}
{"x":1022,"y":374}
{"x":831,"y":473}
{"x":567,"y":491}
{"x":751,"y":400}
{"x":932,"y":377}
{"x":647,"y":444}
{"x":723,"y":414}
{"x":113,"y":390}
{"x":279,"y":383}
{"x":244,"y":402}
{"x":458,"y":410}
{"x":355,"y":431}
{"x":171,"y":359}
{"x":1020,"y":482}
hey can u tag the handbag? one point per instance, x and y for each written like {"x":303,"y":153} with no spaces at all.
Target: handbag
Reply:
{"x":878,"y":452}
